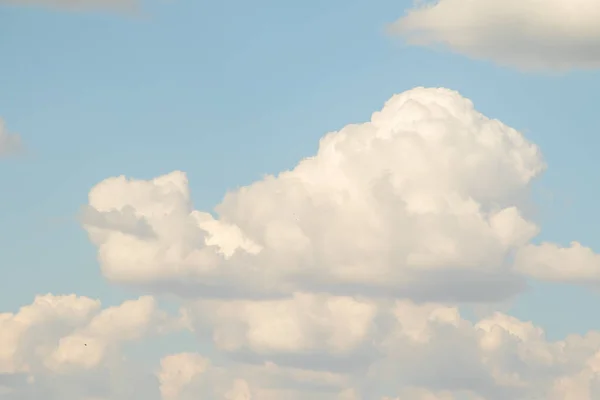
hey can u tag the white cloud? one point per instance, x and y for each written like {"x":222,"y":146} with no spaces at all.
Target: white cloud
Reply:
{"x":414,"y":393}
{"x":178,"y":371}
{"x":68,"y":348}
{"x":336,"y":280}
{"x":115,"y":5}
{"x":426,"y":200}
{"x":55,"y":332}
{"x":302,"y":323}
{"x":10,"y":143}
{"x":498,"y":357}
{"x":20,"y":344}
{"x":528,"y":34}
{"x":550,"y":262}
{"x":416,"y":351}
{"x":239,"y":391}
{"x":423,"y":351}
{"x":186,"y":376}
{"x":131,"y":321}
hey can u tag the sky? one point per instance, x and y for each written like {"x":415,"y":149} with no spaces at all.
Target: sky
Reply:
{"x":340,"y":200}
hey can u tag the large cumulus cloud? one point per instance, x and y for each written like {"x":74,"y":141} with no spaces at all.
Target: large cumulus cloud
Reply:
{"x":527,"y":34}
{"x":427,"y":200}
{"x":340,"y":279}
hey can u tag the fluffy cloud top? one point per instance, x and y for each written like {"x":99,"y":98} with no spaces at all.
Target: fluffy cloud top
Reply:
{"x":68,"y":348}
{"x":527,"y":34}
{"x":10,"y":143}
{"x":425,"y":200}
{"x":86,"y":347}
{"x":66,"y":312}
{"x":419,"y":351}
{"x":58,"y":332}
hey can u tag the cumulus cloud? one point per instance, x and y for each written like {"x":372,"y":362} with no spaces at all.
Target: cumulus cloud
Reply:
{"x":87,"y":347}
{"x":551,"y":262}
{"x":340,"y":279}
{"x":187,"y":375}
{"x":17,"y":333}
{"x":427,"y":200}
{"x":431,"y":347}
{"x":68,"y":347}
{"x":76,"y":333}
{"x":79,"y":5}
{"x":302,"y":323}
{"x":416,"y":351}
{"x":178,"y":371}
{"x":527,"y":34}
{"x":10,"y":143}
{"x":422,"y":351}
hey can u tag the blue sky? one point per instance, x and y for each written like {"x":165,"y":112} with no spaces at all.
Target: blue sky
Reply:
{"x":231,"y":91}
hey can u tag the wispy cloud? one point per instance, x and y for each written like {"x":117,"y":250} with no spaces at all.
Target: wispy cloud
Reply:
{"x":79,"y":5}
{"x":10,"y":143}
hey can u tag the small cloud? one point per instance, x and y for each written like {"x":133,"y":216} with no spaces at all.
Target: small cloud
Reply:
{"x":79,"y":5}
{"x":10,"y":143}
{"x":554,"y":35}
